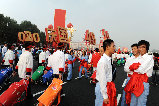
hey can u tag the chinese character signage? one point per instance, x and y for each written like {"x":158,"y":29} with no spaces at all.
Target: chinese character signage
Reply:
{"x":90,"y":37}
{"x":50,"y":35}
{"x":63,"y":35}
{"x":27,"y":36}
{"x":105,"y":34}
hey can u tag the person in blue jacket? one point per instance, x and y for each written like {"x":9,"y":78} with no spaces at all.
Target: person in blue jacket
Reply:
{"x":84,"y":64}
{"x":71,"y":60}
{"x":19,"y":52}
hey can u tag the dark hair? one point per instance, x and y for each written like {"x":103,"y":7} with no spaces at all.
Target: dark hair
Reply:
{"x":26,"y":45}
{"x":144,"y":42}
{"x":91,"y":51}
{"x":96,"y":50}
{"x":107,"y":43}
{"x":133,"y":45}
{"x":19,"y":48}
{"x":84,"y":53}
{"x":51,"y":51}
{"x":9,"y":46}
{"x":60,"y":45}
{"x":71,"y":52}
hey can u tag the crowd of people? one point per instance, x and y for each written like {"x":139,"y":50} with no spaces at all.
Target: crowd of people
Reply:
{"x":139,"y":67}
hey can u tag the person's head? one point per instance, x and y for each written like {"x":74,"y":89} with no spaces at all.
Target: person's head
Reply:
{"x":60,"y":46}
{"x":109,"y":46}
{"x":84,"y":53}
{"x":44,"y":48}
{"x":143,"y":46}
{"x":9,"y":46}
{"x":134,"y":48}
{"x":51,"y":51}
{"x":91,"y":51}
{"x":19,"y":48}
{"x":5,"y":45}
{"x":28,"y":46}
{"x":101,"y":51}
{"x":41,"y":48}
{"x":96,"y":50}
{"x":71,"y":52}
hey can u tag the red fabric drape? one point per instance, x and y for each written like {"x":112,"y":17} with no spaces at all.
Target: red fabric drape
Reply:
{"x":111,"y":91}
{"x":135,"y":85}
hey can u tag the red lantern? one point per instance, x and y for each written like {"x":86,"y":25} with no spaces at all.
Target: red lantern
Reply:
{"x":69,"y":25}
{"x":50,"y":26}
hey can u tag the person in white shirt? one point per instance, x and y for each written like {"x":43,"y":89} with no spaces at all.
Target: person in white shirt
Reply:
{"x":23,"y":50}
{"x":47,"y":53}
{"x":90,"y":56}
{"x":42,"y":57}
{"x":137,"y":89}
{"x":4,"y":50}
{"x":129,"y":62}
{"x":9,"y":57}
{"x":104,"y":75}
{"x":57,"y":61}
{"x":66,"y":55}
{"x":101,"y":51}
{"x":25,"y":65}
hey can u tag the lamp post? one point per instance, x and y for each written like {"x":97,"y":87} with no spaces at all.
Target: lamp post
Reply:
{"x":71,"y":30}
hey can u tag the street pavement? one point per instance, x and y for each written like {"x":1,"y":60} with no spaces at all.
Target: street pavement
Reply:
{"x":79,"y":92}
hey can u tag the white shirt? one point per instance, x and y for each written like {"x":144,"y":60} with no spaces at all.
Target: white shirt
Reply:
{"x":129,"y":62}
{"x":146,"y":66}
{"x":66,"y":56}
{"x":56,"y":61}
{"x":127,"y":56}
{"x":42,"y":56}
{"x":4,"y":50}
{"x":25,"y":61}
{"x":118,"y":56}
{"x":90,"y":58}
{"x":104,"y":73}
{"x":47,"y":54}
{"x":23,"y":50}
{"x":9,"y":55}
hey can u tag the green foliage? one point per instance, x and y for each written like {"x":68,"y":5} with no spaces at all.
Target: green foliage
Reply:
{"x":9,"y":29}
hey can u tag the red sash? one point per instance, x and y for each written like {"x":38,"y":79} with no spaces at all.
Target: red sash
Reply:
{"x":111,"y":91}
{"x":135,"y":85}
{"x":83,"y":63}
{"x":70,"y":62}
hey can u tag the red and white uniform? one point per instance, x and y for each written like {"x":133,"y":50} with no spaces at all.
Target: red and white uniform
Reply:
{"x":9,"y":57}
{"x":42,"y":57}
{"x":25,"y":64}
{"x":4,"y":50}
{"x":57,"y":62}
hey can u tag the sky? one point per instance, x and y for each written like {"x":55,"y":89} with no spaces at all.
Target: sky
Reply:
{"x":127,"y":21}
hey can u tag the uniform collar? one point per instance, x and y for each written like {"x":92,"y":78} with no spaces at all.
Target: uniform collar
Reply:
{"x":135,"y":57}
{"x":145,"y":55}
{"x":109,"y":58}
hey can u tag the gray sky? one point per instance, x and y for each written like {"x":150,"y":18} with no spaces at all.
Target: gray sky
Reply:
{"x":127,"y":21}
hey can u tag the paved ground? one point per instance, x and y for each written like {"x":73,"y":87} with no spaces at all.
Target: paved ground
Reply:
{"x":81,"y":92}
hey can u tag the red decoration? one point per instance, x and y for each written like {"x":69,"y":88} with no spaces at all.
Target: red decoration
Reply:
{"x":69,"y":25}
{"x":90,"y":37}
{"x":50,"y":26}
{"x":105,"y":34}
